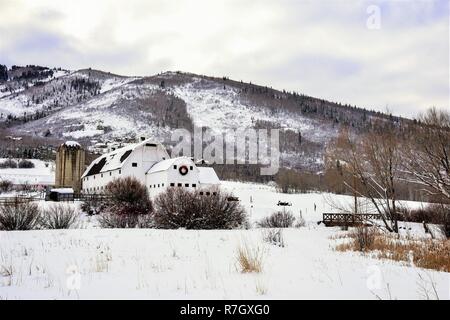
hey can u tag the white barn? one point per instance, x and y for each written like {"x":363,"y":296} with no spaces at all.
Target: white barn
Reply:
{"x":150,"y":163}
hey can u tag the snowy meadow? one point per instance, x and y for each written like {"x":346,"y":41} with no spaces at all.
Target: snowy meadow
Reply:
{"x":94,"y":263}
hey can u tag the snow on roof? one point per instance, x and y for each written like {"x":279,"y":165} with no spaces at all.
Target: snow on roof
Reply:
{"x":207,"y":175}
{"x":62,"y":190}
{"x":114,"y":159}
{"x":166,"y":164}
{"x":72,"y":144}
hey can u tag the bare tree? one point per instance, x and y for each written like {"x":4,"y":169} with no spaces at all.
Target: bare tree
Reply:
{"x":371,"y":169}
{"x":427,"y":153}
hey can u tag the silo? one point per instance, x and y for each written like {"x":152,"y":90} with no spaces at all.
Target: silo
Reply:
{"x":70,"y":158}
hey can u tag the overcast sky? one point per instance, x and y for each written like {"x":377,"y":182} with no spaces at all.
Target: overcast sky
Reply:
{"x":392,"y":55}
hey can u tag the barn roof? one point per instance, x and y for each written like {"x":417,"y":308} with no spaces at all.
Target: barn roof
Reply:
{"x":113,"y":160}
{"x":166,"y":164}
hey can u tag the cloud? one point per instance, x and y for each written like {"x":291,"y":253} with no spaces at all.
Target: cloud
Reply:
{"x":320,"y":48}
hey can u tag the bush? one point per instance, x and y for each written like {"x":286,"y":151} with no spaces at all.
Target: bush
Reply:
{"x":59,"y":217}
{"x":112,"y":220}
{"x":180,"y":208}
{"x":8,"y":164}
{"x":300,"y":222}
{"x":278,"y":219}
{"x":19,"y":215}
{"x":93,"y":205}
{"x":26,"y":164}
{"x":433,"y":213}
{"x":364,"y":237}
{"x":5,"y":186}
{"x":128,"y":201}
{"x":274,"y":237}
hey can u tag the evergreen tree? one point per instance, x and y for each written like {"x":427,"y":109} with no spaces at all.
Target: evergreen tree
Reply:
{"x":3,"y":73}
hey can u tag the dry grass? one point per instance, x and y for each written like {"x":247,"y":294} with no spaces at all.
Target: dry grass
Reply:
{"x":423,"y":253}
{"x":261,"y":289}
{"x":6,"y":270}
{"x":249,"y":259}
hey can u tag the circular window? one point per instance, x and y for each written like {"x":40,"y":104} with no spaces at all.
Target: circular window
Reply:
{"x":183,"y":170}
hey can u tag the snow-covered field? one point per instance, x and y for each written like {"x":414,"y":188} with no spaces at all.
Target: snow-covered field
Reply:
{"x":93,"y":263}
{"x":43,"y":173}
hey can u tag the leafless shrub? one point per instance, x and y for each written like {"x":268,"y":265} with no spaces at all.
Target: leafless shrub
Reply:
{"x":249,"y":259}
{"x":433,"y":213}
{"x":300,"y":221}
{"x":129,"y":201}
{"x":5,"y":186}
{"x":113,"y":220}
{"x":9,"y":163}
{"x":93,"y":205}
{"x":274,"y":237}
{"x":205,"y":209}
{"x":59,"y":216}
{"x":129,"y":191}
{"x":19,"y":215}
{"x":364,"y":237}
{"x":278,"y":219}
{"x":25,"y":164}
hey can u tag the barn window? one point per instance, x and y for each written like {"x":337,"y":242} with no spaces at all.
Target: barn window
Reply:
{"x":186,"y":185}
{"x":120,"y":171}
{"x":172,"y":184}
{"x":214,"y":193}
{"x":101,"y":175}
{"x":134,"y":164}
{"x":150,"y":186}
{"x":175,"y":167}
{"x":208,"y":193}
{"x":201,"y":193}
{"x":158,"y":185}
{"x":180,"y":185}
{"x":110,"y":173}
{"x":154,"y":186}
{"x":162,"y":185}
{"x":191,"y":168}
{"x":194,"y":185}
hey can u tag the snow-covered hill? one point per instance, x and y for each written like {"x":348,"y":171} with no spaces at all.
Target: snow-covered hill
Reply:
{"x":93,"y":106}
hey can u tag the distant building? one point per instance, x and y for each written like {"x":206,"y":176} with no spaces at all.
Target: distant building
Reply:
{"x":70,"y":165}
{"x":149,"y":162}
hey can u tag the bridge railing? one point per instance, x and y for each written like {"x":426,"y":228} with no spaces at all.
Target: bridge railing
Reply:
{"x":348,"y":219}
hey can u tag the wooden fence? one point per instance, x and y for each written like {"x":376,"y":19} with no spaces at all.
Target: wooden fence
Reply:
{"x":19,"y":199}
{"x":70,"y":197}
{"x":60,"y":197}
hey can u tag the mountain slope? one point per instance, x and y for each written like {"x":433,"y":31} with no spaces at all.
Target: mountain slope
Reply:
{"x":94,"y":106}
